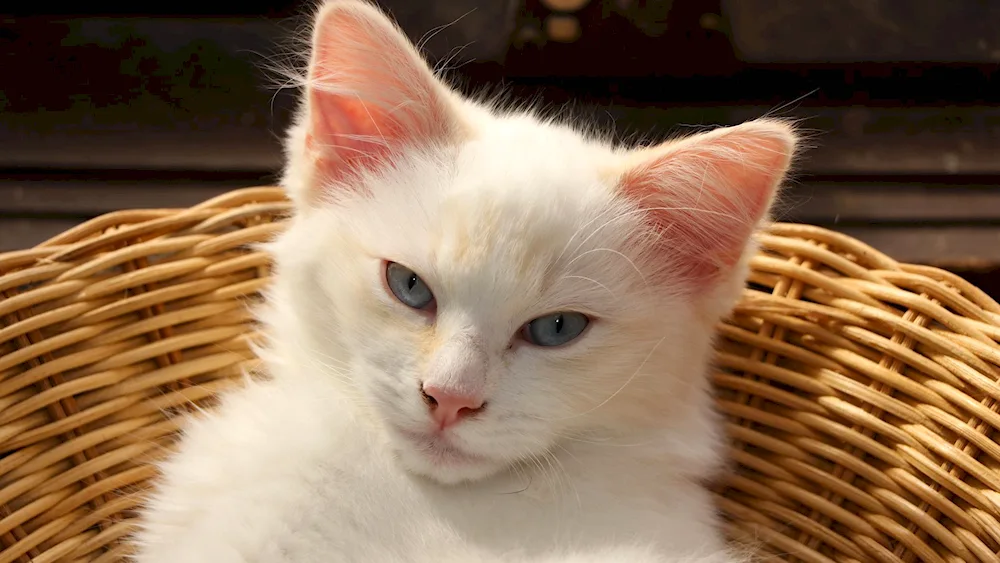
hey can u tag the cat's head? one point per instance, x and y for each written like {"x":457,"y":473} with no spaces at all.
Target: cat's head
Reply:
{"x":489,"y":284}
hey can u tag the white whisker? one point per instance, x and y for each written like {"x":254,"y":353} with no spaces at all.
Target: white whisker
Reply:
{"x":616,"y":253}
{"x":593,"y":281}
{"x":617,"y":391}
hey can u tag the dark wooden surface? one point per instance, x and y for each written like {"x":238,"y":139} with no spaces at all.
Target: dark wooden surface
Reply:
{"x":165,"y":111}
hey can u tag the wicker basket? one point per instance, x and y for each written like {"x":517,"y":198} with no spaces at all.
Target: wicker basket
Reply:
{"x":862,"y":393}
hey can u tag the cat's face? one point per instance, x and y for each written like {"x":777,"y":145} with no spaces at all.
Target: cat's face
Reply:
{"x":491,"y":285}
{"x":508,"y":283}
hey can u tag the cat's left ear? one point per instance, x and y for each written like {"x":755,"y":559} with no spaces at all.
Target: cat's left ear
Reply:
{"x":370,"y":95}
{"x":703,"y":196}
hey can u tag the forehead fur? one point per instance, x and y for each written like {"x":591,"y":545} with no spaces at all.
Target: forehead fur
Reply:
{"x":521,"y":209}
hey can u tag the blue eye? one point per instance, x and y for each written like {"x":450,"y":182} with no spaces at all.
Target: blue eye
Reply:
{"x":407,"y":286}
{"x":556,"y":329}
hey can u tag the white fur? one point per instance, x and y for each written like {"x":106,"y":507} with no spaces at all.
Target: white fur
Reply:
{"x":592,"y":452}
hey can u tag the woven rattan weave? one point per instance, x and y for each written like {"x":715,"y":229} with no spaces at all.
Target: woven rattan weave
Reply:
{"x":862,"y":394}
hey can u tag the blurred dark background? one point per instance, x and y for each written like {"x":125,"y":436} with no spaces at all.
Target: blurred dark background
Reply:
{"x":104,"y":107}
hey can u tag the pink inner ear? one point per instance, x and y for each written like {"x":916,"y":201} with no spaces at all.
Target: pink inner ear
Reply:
{"x":370,"y":93}
{"x":703,"y":199}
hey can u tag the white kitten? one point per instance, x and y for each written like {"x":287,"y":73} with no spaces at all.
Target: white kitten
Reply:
{"x":489,"y":335}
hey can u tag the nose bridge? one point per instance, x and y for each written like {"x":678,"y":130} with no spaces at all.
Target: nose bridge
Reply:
{"x":459,"y":365}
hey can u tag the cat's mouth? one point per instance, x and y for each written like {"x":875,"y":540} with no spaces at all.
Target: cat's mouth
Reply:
{"x":435,"y":455}
{"x":439,"y":449}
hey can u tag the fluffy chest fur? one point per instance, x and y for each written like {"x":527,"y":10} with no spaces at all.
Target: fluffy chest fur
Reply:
{"x":287,"y":472}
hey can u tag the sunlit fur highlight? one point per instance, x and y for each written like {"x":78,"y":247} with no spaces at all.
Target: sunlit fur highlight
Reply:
{"x":602,"y":444}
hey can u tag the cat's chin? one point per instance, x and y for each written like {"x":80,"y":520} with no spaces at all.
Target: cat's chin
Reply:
{"x":436,"y":459}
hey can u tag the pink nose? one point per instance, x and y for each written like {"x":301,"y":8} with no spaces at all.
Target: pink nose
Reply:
{"x":448,"y":407}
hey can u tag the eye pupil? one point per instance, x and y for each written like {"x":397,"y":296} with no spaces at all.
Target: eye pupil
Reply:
{"x":412,"y":281}
{"x":559,"y":323}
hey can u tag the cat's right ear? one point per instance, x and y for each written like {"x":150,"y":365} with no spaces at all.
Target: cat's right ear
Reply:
{"x":704,"y":196}
{"x":369,"y":96}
